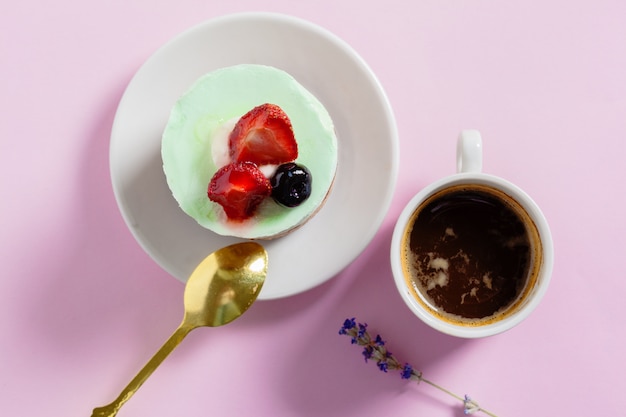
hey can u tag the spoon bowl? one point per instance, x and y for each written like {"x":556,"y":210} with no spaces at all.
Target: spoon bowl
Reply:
{"x":225,"y":284}
{"x":221,"y":288}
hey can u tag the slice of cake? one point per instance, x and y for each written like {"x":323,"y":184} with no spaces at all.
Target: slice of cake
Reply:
{"x":249,"y":152}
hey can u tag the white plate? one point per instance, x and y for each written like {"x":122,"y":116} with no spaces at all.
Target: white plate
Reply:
{"x":326,"y":66}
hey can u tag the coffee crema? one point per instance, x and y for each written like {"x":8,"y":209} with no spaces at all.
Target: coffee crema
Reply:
{"x":471,"y":254}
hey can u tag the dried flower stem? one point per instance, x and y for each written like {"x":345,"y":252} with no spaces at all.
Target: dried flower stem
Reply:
{"x":374,"y":348}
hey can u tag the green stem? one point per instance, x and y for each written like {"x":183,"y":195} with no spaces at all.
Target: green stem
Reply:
{"x":440,"y":388}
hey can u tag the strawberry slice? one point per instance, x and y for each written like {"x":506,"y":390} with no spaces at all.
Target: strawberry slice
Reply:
{"x":264,"y":135}
{"x":239,"y":188}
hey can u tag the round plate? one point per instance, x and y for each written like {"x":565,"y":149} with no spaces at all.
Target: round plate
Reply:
{"x":326,"y":66}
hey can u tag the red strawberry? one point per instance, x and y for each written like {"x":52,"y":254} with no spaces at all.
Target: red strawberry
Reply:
{"x":239,"y":188}
{"x":264,"y":135}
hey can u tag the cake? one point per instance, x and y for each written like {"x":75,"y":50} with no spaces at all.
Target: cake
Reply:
{"x":249,"y":152}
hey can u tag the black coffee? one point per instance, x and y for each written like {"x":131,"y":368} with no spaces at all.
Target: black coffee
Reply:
{"x":469,"y":253}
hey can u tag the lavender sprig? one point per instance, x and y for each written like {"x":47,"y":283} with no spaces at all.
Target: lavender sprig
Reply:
{"x":375,"y":349}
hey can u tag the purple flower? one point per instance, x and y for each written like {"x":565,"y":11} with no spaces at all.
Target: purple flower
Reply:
{"x":347,"y":325}
{"x":362,"y":330}
{"x":367,"y":352}
{"x":375,"y":350}
{"x":470,"y":406}
{"x":407,"y":371}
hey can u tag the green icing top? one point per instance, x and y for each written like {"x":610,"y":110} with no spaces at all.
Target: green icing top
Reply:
{"x":200,"y":116}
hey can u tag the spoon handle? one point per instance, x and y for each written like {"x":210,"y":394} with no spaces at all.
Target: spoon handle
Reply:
{"x":111,"y":410}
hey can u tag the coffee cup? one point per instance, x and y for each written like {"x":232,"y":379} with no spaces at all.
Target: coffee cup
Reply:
{"x":471,"y":254}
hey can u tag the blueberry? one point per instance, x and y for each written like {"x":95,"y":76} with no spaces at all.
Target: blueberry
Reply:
{"x":291,"y":184}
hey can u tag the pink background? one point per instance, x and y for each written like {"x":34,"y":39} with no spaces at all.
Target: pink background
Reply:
{"x":82,"y":307}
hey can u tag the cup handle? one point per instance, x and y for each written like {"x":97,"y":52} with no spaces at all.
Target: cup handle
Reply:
{"x":469,"y":152}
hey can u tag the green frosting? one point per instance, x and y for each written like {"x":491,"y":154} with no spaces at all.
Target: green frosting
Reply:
{"x":204,"y":114}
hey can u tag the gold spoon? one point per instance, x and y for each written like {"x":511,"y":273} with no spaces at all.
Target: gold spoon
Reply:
{"x":219,"y":290}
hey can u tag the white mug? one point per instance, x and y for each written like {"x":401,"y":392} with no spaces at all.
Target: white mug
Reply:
{"x":467,"y":240}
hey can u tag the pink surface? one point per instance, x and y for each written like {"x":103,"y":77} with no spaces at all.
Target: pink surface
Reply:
{"x":83,"y":307}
